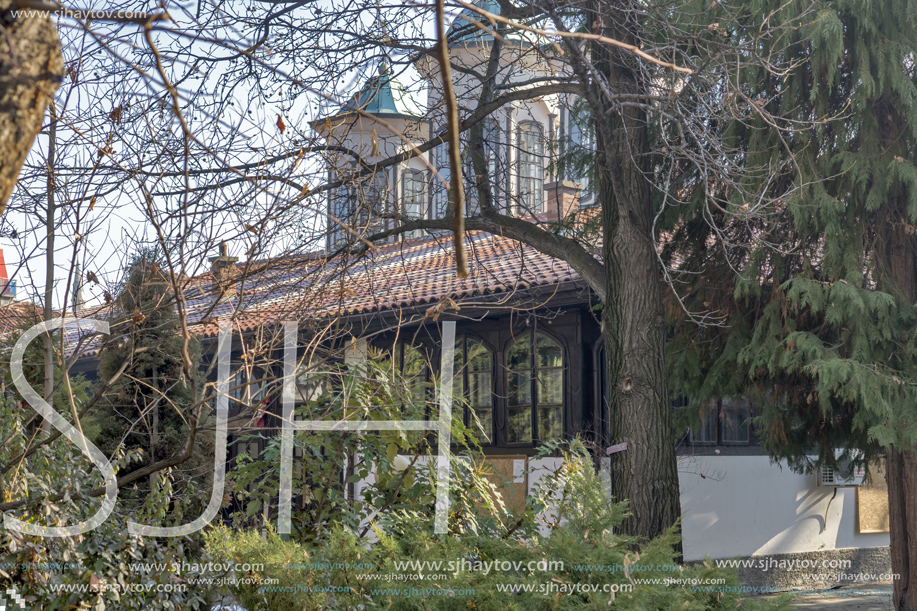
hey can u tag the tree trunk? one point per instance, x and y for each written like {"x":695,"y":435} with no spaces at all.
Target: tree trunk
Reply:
{"x":897,"y":252}
{"x":901,"y":476}
{"x":31,"y":68}
{"x":49,"y":269}
{"x":640,"y":411}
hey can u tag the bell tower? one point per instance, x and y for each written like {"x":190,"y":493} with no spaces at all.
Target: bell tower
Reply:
{"x":379,"y":121}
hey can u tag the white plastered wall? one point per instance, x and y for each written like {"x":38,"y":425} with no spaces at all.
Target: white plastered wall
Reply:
{"x":747,"y":506}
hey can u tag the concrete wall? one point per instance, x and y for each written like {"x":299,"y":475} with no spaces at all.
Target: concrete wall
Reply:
{"x":747,"y":506}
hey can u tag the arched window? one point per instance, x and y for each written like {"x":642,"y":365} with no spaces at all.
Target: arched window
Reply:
{"x":415,"y":368}
{"x":535,"y":389}
{"x":531,"y":168}
{"x":473,"y":384}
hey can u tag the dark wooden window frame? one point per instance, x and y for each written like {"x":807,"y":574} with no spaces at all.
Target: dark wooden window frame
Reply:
{"x":523,"y":206}
{"x":463,"y":337}
{"x":533,"y":380}
{"x":719,"y":420}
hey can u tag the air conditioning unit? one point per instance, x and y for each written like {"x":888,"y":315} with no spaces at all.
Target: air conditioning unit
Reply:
{"x":844,"y":475}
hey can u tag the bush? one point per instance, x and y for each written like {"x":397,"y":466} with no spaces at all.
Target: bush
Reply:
{"x":562,"y":546}
{"x":103,"y":562}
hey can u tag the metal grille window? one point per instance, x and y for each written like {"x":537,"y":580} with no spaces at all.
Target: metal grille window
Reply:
{"x":734,"y":421}
{"x":535,"y":389}
{"x":531,"y":168}
{"x":706,"y":433}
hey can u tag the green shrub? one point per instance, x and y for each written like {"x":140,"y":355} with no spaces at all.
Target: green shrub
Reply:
{"x":103,"y":561}
{"x":571,"y":506}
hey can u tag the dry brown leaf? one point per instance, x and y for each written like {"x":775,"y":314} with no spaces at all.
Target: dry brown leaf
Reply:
{"x":116,"y":113}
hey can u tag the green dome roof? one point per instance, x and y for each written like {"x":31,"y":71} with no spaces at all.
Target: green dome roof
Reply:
{"x":470,"y":27}
{"x":383,"y":96}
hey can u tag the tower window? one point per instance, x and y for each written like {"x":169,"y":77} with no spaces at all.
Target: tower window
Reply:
{"x":413,"y":204}
{"x":412,"y":191}
{"x":495,"y":171}
{"x":531,"y":168}
{"x":356,"y":204}
{"x":441,"y":188}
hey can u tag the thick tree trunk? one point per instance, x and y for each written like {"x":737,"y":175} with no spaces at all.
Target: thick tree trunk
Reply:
{"x":645,"y":474}
{"x":897,"y":252}
{"x":31,"y":68}
{"x":640,"y":411}
{"x":901,"y":475}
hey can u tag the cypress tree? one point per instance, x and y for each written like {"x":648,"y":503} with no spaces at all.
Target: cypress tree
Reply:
{"x":144,"y":408}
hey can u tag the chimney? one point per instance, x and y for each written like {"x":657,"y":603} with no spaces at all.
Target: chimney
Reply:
{"x":223,"y":272}
{"x":562,"y":199}
{"x":7,"y":286}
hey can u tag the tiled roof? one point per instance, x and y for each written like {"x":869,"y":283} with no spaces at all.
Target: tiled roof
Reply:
{"x":416,"y":274}
{"x":16,"y":315}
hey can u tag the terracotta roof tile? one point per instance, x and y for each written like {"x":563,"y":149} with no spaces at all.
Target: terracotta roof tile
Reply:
{"x":414,"y":273}
{"x":16,"y":315}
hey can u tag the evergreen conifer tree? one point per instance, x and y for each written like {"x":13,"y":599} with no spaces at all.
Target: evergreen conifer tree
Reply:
{"x":145,"y":407}
{"x":822,"y":325}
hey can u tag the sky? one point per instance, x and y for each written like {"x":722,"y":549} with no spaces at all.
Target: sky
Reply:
{"x":108,"y":230}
